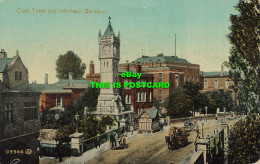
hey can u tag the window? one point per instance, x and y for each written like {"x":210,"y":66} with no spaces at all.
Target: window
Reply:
{"x":128,"y":99}
{"x":18,"y":75}
{"x":59,"y":101}
{"x":30,"y":111}
{"x":205,"y":83}
{"x":227,"y":83}
{"x":143,"y":96}
{"x":160,"y":96}
{"x":150,"y":97}
{"x":160,"y":77}
{"x":9,"y":118}
{"x":128,"y":81}
{"x":138,"y":97}
{"x":176,"y":80}
{"x":216,"y":83}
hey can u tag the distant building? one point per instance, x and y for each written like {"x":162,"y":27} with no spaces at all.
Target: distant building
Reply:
{"x":148,"y":120}
{"x":170,"y":69}
{"x":216,"y":81}
{"x":19,"y":117}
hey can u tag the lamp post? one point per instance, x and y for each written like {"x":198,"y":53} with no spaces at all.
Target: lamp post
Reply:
{"x":206,"y":109}
{"x":77,"y":122}
{"x":202,"y":128}
{"x":224,"y":114}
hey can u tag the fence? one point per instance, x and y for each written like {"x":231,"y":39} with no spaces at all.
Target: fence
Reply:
{"x":216,"y":148}
{"x":91,"y":142}
{"x":64,"y":150}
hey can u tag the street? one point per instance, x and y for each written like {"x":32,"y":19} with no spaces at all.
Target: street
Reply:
{"x":152,"y":148}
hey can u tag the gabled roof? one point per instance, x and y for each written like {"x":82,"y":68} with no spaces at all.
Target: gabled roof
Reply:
{"x":161,"y":58}
{"x":4,"y":62}
{"x":109,"y":31}
{"x":152,"y":112}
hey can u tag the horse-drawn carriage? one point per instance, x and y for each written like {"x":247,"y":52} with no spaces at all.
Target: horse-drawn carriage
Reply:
{"x":117,"y":141}
{"x":177,"y":136}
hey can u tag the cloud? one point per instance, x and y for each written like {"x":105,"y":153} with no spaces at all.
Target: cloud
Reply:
{"x":2,"y":1}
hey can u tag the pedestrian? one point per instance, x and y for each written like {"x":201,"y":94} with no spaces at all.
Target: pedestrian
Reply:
{"x":132,"y":129}
{"x":98,"y":141}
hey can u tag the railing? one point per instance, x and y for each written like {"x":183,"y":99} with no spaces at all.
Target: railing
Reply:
{"x":216,"y":148}
{"x":91,"y":142}
{"x":64,"y":150}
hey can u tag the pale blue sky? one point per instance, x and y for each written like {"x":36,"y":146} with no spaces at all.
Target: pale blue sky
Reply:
{"x":201,"y":27}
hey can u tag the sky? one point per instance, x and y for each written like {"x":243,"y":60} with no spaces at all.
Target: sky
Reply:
{"x":201,"y":27}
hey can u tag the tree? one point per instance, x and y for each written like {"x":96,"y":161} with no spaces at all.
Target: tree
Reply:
{"x":69,"y":62}
{"x":88,"y":99}
{"x":179,"y":104}
{"x":244,"y":140}
{"x":244,"y":57}
{"x":193,"y":90}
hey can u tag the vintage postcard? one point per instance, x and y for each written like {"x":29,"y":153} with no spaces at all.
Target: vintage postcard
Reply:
{"x":120,"y":81}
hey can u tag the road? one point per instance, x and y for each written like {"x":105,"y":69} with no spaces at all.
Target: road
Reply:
{"x":152,"y":149}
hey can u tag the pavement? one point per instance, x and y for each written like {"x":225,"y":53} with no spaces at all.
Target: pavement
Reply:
{"x":90,"y":154}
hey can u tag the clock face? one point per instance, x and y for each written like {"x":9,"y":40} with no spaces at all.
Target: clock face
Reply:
{"x":106,"y":50}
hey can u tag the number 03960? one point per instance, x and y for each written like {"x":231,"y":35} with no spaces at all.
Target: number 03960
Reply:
{"x":14,"y":151}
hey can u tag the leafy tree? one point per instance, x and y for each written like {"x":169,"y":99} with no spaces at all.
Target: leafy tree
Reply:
{"x":63,"y":133}
{"x":69,"y":62}
{"x":192,"y":90}
{"x":244,"y":57}
{"x":88,"y":99}
{"x":244,"y":140}
{"x":179,"y":104}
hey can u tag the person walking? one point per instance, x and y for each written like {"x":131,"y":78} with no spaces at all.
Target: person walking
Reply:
{"x":132,"y":129}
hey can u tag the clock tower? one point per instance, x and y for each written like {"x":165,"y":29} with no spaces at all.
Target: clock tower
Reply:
{"x":109,"y":56}
{"x":109,"y":100}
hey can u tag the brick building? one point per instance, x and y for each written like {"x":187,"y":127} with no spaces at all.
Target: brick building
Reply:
{"x":61,"y":94}
{"x":19,"y":117}
{"x":170,"y":69}
{"x":216,"y":81}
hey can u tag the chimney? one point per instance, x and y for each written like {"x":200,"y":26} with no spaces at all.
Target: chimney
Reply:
{"x":127,"y":67}
{"x":222,"y":70}
{"x":46,"y":79}
{"x":91,"y":68}
{"x":3,"y":54}
{"x":138,"y":68}
{"x":70,"y":79}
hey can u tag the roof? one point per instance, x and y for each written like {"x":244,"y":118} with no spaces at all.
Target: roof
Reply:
{"x":48,"y":88}
{"x":152,"y":112}
{"x":75,"y":82}
{"x":226,"y":73}
{"x":4,"y":62}
{"x":161,"y":58}
{"x":109,"y":31}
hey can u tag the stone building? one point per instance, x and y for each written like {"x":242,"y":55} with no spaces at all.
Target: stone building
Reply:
{"x":170,"y":69}
{"x":109,"y":100}
{"x":19,"y":118}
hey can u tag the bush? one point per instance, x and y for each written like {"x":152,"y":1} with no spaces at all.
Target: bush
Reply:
{"x":245,"y":140}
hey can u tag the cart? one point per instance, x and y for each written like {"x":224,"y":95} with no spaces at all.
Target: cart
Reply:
{"x":117,"y":142}
{"x":178,"y":136}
